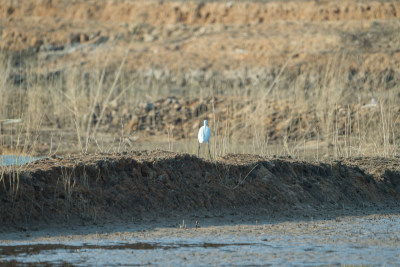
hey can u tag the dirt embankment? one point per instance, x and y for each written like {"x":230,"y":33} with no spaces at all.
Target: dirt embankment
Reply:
{"x":97,"y":187}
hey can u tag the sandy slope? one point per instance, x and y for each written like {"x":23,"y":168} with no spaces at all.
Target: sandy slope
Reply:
{"x":203,"y":36}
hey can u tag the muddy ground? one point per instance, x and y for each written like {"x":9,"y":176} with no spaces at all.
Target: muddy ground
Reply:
{"x":111,"y":187}
{"x":257,"y":240}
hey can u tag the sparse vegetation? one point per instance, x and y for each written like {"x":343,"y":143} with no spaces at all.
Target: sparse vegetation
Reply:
{"x":294,"y":87}
{"x":267,"y":86}
{"x":323,"y":114}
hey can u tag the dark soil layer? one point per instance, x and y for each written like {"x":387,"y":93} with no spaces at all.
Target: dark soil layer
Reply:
{"x":97,"y":187}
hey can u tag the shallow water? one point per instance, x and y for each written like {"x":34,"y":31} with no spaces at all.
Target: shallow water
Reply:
{"x":7,"y":160}
{"x":368,"y":240}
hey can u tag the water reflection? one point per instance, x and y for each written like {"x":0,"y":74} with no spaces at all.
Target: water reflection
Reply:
{"x":7,"y":160}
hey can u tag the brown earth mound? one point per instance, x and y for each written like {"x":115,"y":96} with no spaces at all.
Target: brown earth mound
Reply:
{"x":95,"y":187}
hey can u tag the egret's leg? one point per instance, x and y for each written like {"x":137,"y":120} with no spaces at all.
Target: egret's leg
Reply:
{"x":209,"y":152}
{"x":198,"y":150}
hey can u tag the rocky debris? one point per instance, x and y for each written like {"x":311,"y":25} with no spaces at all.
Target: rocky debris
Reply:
{"x":97,"y":186}
{"x":177,"y":116}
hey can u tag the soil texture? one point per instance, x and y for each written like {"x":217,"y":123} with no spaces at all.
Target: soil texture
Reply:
{"x":115,"y":186}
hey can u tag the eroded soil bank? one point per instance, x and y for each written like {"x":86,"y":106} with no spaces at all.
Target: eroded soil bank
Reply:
{"x":109,"y":187}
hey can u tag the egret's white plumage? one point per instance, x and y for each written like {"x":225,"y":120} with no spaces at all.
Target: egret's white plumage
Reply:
{"x":372,"y":104}
{"x":204,"y":133}
{"x":204,"y":137}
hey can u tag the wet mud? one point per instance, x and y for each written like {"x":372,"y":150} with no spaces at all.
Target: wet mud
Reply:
{"x":371,"y":240}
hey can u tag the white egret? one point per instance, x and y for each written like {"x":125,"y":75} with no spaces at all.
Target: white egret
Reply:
{"x":204,"y":137}
{"x":372,"y":104}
